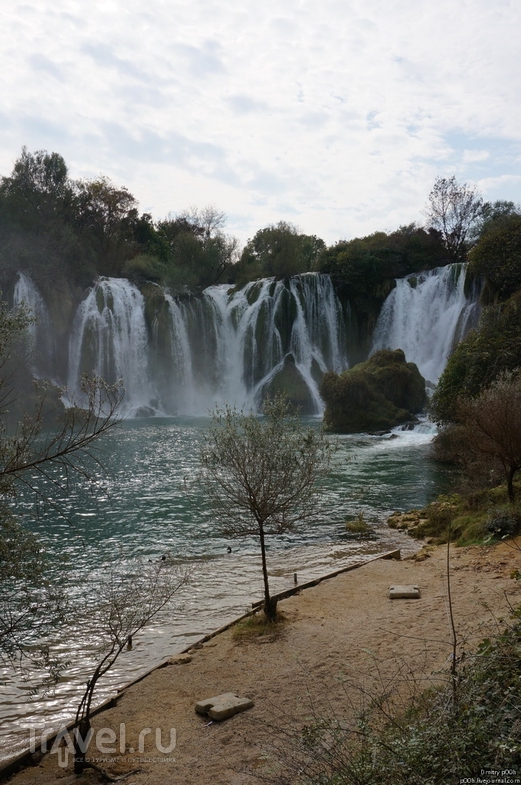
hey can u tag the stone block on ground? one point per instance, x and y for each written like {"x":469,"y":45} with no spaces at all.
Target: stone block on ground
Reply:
{"x":409,"y":592}
{"x":223,"y":706}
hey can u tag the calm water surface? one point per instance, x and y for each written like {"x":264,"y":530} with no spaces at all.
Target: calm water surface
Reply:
{"x":146,"y":504}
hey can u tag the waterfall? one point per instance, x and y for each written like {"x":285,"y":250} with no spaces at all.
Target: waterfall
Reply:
{"x":40,"y":334}
{"x":426,"y":315}
{"x":184,"y":355}
{"x":109,"y":339}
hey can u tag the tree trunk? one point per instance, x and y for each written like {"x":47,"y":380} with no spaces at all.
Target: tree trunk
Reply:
{"x":81,"y":741}
{"x":510,"y":484}
{"x":270,"y":605}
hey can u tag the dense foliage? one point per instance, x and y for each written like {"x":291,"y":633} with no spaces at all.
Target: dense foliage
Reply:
{"x":497,"y":256}
{"x":365,"y":268}
{"x":57,"y":228}
{"x":279,"y":250}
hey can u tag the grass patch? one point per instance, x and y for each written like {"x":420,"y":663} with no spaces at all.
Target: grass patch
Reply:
{"x":480,"y":517}
{"x":359,"y":526}
{"x":258,"y":626}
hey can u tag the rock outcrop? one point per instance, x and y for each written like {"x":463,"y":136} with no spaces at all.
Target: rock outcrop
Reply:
{"x":378,"y":394}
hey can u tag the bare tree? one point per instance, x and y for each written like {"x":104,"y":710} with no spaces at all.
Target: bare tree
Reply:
{"x":452,"y":209}
{"x":491,"y":426}
{"x":261,"y":474}
{"x":209,"y":220}
{"x":120,"y":608}
{"x":48,"y":442}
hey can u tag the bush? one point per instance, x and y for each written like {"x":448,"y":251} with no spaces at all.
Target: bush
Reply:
{"x":497,"y":256}
{"x":380,"y":393}
{"x":503,"y":523}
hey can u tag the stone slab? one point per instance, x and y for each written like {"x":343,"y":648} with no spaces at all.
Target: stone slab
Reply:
{"x":223,"y":706}
{"x":408,"y":592}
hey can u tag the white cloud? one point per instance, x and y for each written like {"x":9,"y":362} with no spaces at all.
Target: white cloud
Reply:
{"x":473,"y":156}
{"x":337,"y":116}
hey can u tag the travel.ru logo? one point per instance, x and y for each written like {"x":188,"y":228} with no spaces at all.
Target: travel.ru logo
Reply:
{"x":96,"y":745}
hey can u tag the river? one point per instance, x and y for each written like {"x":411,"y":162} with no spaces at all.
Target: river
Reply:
{"x":145,"y":503}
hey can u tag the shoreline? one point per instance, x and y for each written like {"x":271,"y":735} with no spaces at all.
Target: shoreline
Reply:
{"x":154,"y":650}
{"x":10,"y":766}
{"x":344,"y":628}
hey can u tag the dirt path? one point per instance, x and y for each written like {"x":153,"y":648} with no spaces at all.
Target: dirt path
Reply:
{"x":344,"y":630}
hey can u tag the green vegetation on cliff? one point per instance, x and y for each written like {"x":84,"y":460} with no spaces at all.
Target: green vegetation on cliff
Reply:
{"x":380,"y":393}
{"x":477,"y":398}
{"x":480,"y":358}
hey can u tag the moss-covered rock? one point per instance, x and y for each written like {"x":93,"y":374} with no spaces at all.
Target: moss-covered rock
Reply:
{"x":289,"y":381}
{"x":380,"y":393}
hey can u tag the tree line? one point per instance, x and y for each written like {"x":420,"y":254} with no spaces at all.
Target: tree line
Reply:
{"x":55,"y":226}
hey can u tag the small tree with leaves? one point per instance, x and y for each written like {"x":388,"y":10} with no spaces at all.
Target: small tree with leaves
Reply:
{"x":261,"y":474}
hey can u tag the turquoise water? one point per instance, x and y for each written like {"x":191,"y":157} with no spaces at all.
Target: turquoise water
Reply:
{"x":145,"y":503}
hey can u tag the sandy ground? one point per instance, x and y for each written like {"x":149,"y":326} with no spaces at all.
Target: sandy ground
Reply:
{"x":339,"y":636}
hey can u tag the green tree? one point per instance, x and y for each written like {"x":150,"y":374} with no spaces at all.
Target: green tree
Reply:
{"x":38,"y":193}
{"x":261,"y":475}
{"x":278,"y":250}
{"x":38,"y":229}
{"x":497,"y":256}
{"x":491,"y":212}
{"x":364,"y":268}
{"x":188,"y":252}
{"x":104,"y":216}
{"x":453,"y":210}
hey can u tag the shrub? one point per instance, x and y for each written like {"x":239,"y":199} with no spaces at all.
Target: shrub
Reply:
{"x":503,"y":523}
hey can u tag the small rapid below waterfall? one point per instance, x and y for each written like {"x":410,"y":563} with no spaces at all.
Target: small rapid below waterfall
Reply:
{"x":426,"y":315}
{"x":183,"y":355}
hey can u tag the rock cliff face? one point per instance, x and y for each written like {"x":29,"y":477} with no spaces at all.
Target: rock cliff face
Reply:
{"x":380,"y":393}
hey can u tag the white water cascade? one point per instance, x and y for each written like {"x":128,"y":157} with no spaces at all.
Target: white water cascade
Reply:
{"x":39,"y":330}
{"x":109,"y":339}
{"x":185,"y":355}
{"x":426,"y":315}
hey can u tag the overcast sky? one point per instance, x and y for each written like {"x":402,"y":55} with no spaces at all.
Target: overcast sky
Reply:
{"x":334,"y":115}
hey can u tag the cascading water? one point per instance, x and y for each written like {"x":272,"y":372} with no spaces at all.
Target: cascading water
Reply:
{"x":426,"y":315}
{"x":41,"y":344}
{"x":227,"y":345}
{"x":184,"y":355}
{"x":109,"y":339}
